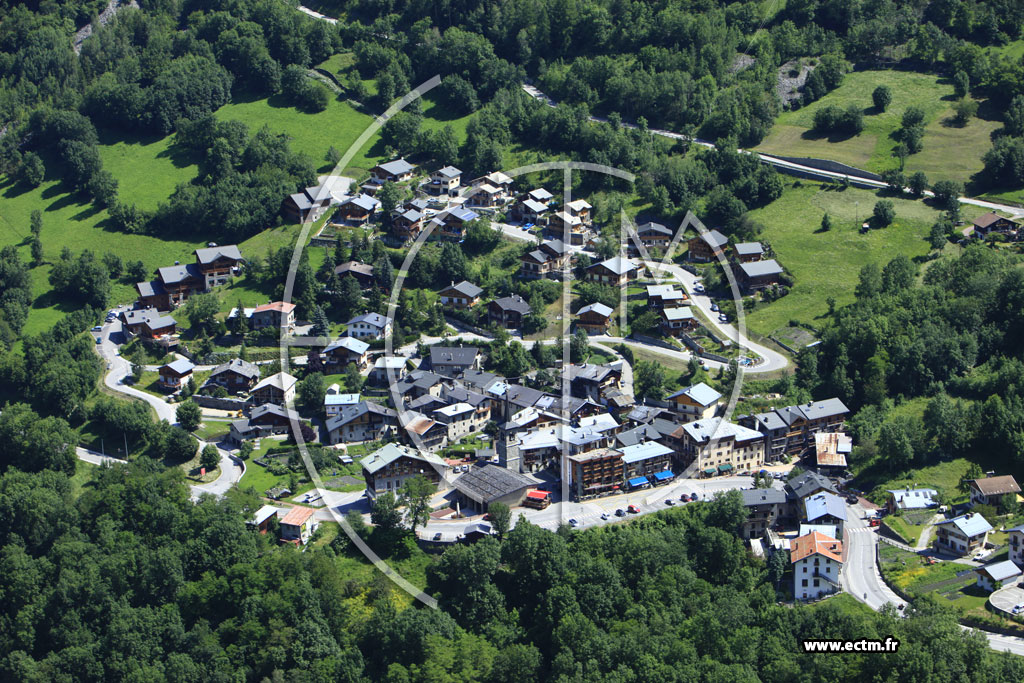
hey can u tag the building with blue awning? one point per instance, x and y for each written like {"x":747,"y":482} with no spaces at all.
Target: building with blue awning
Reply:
{"x":645,"y":458}
{"x":638,"y":482}
{"x":663,"y":476}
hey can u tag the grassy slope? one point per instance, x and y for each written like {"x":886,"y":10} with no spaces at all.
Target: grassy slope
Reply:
{"x":827,"y":264}
{"x":948,"y":153}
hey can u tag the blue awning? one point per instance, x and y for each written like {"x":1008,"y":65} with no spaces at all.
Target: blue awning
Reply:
{"x":663,"y":476}
{"x":637,"y":481}
{"x":724,"y":468}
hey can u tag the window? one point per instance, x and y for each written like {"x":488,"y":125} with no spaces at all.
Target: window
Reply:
{"x":816,"y":583}
{"x":804,"y":583}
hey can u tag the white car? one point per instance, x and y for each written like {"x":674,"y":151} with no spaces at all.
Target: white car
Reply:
{"x":699,"y":289}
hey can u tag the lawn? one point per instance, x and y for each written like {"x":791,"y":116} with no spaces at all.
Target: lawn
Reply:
{"x":165,"y":166}
{"x":949,"y":153}
{"x":943,"y":477}
{"x":312,"y":134}
{"x":902,"y":527}
{"x":825,"y":264}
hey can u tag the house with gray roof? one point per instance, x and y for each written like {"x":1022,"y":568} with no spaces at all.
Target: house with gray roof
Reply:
{"x":962,"y":535}
{"x":747,"y":252}
{"x":764,"y":508}
{"x":508,"y":311}
{"x":755,"y":275}
{"x":369,"y":326}
{"x":486,"y":484}
{"x":396,"y":171}
{"x":460,"y":294}
{"x":364,"y":421}
{"x":706,"y":246}
{"x":174,"y":375}
{"x":695,"y":402}
{"x":826,"y":508}
{"x":452,"y":361}
{"x":235,"y":375}
{"x":387,"y":468}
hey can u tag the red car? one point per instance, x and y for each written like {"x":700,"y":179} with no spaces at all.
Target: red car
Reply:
{"x":633,"y":508}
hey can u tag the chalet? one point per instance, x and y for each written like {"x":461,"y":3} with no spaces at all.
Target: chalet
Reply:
{"x":664,"y":296}
{"x":347,"y":350}
{"x":561,"y":223}
{"x":459,"y":418}
{"x":369,"y":326}
{"x":595,"y":318}
{"x":335,"y":402}
{"x":595,"y":472}
{"x":451,"y":224}
{"x":419,"y":383}
{"x":676,"y":321}
{"x":500,"y":181}
{"x":175,"y":375}
{"x":962,"y":535}
{"x":460,"y":295}
{"x":591,"y":380}
{"x":538,"y":195}
{"x":720,"y":447}
{"x":651,"y":235}
{"x":764,"y":508}
{"x":174,"y":284}
{"x":396,"y":171}
{"x":508,"y":311}
{"x":707,"y":246}
{"x":358,"y":209}
{"x":487,"y":484}
{"x":406,"y":224}
{"x":276,"y":314}
{"x":387,"y":369}
{"x":825,"y":508}
{"x":817,"y":564}
{"x":304,"y":205}
{"x":235,"y":375}
{"x":830,"y":452}
{"x":279,"y":389}
{"x":362,"y":272}
{"x":789,"y":430}
{"x":387,"y":468}
{"x":550,"y":259}
{"x":748,"y":252}
{"x":529,"y":211}
{"x":261,"y":519}
{"x":649,"y":460}
{"x":452,"y":361}
{"x":1015,"y":539}
{"x":911,"y":499}
{"x":580,"y":209}
{"x":484,"y":196}
{"x":997,"y":575}
{"x":218,"y":264}
{"x":481,"y":403}
{"x":808,"y":484}
{"x":991,"y":222}
{"x":422,"y":432}
{"x":444,"y":182}
{"x":131,"y":321}
{"x":177,"y":283}
{"x":272,"y":418}
{"x":990,"y":490}
{"x":696,"y":402}
{"x":616,"y":271}
{"x":298,"y":525}
{"x":365,"y":421}
{"x":757,"y":275}
{"x":160,"y":326}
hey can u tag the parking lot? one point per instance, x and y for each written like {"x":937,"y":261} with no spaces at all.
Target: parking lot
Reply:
{"x":1007,"y":598}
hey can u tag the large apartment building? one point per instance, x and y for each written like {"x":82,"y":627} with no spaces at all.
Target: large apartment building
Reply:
{"x":789,"y":430}
{"x":721,"y":450}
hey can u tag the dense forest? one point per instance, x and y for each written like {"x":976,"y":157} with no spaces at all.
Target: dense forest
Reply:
{"x":132,"y":581}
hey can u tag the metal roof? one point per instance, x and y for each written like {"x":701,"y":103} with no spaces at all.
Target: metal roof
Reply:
{"x":702,"y":431}
{"x":761,"y":268}
{"x":211,"y":254}
{"x":749,"y":248}
{"x":822,"y":504}
{"x":376,"y":319}
{"x":644,"y":451}
{"x":678,"y":313}
{"x":491,"y":482}
{"x":971,"y":524}
{"x":397,"y":167}
{"x":596,"y":307}
{"x":700,"y":393}
{"x":181,"y":366}
{"x":753,"y":497}
{"x":385,"y":455}
{"x":1000,"y":571}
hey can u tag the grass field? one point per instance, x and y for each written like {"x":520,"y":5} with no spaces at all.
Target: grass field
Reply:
{"x":943,"y":477}
{"x":948,"y":153}
{"x":825,"y":264}
{"x":147,"y":168}
{"x":311,"y":134}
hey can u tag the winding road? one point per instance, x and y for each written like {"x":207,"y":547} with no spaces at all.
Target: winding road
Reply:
{"x":231,"y":467}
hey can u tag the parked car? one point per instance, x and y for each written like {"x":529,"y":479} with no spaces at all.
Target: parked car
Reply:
{"x":852,"y":499}
{"x":437,"y":536}
{"x":684,"y":498}
{"x":620,"y":513}
{"x":669,"y":501}
{"x":875,"y":522}
{"x":698,"y":288}
{"x":714,"y":307}
{"x":694,"y":497}
{"x":723,"y":317}
{"x":97,"y":329}
{"x":604,"y":515}
{"x":1017,"y":609}
{"x":634,"y":509}
{"x":574,"y":523}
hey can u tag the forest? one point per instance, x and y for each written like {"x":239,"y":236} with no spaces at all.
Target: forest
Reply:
{"x":132,"y":581}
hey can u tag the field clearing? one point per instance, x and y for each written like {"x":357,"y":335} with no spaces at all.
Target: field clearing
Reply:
{"x":949,"y":153}
{"x":825,"y":264}
{"x":311,"y":134}
{"x":165,"y":166}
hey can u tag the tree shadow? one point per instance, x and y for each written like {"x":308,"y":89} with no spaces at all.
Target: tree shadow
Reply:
{"x":52,"y":299}
{"x":830,"y":136}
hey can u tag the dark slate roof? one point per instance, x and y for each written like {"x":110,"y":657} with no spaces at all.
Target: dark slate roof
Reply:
{"x":452,"y":355}
{"x":557,"y":246}
{"x":397,"y":167}
{"x":349,"y":413}
{"x":479,"y":379}
{"x":761,"y":268}
{"x":490,"y":482}
{"x":589,"y":372}
{"x":763,"y":497}
{"x":174,"y":274}
{"x":242,"y":367}
{"x":805,"y":484}
{"x":749,"y":248}
{"x":151,"y":288}
{"x":463,"y":395}
{"x":714,"y":239}
{"x":640,"y":434}
{"x":513,"y":303}
{"x":653,"y":228}
{"x":211,"y":254}
{"x":466,"y":288}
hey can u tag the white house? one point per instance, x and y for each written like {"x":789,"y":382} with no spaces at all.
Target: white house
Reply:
{"x":998,"y":575}
{"x":333,"y":403}
{"x":962,"y":535}
{"x":459,"y":417}
{"x":369,"y":326}
{"x":1015,"y":539}
{"x":817,"y":562}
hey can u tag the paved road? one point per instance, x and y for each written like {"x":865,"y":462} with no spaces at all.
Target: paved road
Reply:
{"x":86,"y":455}
{"x":231,"y":468}
{"x":784,"y":165}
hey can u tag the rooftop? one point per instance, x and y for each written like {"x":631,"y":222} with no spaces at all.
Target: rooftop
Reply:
{"x":491,"y":482}
{"x":297,"y":516}
{"x":816,"y":543}
{"x":391,"y":452}
{"x":971,"y":524}
{"x":761,"y":268}
{"x":699,"y":393}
